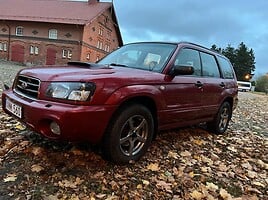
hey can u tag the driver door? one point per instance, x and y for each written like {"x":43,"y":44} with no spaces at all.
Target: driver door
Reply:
{"x":183,"y":94}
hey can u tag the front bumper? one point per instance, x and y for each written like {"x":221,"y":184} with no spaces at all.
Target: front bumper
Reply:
{"x":76,"y":122}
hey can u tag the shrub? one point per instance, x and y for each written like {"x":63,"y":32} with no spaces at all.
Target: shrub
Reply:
{"x":262,"y":84}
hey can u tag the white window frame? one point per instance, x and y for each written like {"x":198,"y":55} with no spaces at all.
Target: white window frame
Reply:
{"x":88,"y":56}
{"x":107,"y":48}
{"x":53,"y":34}
{"x":19,"y":31}
{"x":36,"y":50}
{"x":5,"y":46}
{"x":31,"y":49}
{"x":101,"y":31}
{"x":64,"y":52}
{"x":69,"y":54}
{"x":100,"y":44}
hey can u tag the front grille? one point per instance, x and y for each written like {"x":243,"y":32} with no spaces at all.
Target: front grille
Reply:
{"x":27,"y":86}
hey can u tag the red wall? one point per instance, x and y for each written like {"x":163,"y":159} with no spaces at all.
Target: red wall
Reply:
{"x":79,"y":40}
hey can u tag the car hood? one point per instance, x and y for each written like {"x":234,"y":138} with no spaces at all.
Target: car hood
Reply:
{"x":78,"y":73}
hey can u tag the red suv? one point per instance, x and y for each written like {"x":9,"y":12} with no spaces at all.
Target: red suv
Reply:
{"x":122,"y":101}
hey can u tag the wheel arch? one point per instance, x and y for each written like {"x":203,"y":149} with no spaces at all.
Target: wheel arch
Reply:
{"x":146,"y":101}
{"x":230,"y":100}
{"x":109,"y":145}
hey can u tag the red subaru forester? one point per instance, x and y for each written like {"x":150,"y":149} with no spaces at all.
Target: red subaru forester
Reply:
{"x":122,"y":101}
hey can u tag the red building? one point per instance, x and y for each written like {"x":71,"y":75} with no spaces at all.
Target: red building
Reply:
{"x":56,"y":31}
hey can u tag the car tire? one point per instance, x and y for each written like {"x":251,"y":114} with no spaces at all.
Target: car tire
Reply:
{"x":221,"y":122}
{"x":129,"y":134}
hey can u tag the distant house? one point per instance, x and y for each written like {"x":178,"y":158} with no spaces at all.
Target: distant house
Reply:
{"x":55,"y":31}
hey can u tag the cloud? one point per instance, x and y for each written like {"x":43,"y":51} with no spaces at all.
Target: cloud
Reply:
{"x":203,"y":22}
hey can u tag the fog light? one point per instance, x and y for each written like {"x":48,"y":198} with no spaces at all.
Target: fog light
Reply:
{"x":55,"y":128}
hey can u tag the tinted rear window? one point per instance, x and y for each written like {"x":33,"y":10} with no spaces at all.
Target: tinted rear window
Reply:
{"x":209,"y":65}
{"x":226,"y":68}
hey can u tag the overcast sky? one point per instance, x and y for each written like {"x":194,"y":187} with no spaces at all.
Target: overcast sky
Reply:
{"x":205,"y":22}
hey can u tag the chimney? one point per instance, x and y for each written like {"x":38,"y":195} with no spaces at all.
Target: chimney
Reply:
{"x":93,"y":1}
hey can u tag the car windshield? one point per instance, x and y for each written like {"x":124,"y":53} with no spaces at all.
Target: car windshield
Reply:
{"x":145,"y":56}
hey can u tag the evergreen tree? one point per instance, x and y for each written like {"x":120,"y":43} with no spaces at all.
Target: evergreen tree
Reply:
{"x":229,"y":52}
{"x":241,"y":58}
{"x":244,"y":62}
{"x":215,"y":48}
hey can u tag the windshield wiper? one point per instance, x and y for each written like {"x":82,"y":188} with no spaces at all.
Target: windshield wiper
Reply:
{"x":117,"y":64}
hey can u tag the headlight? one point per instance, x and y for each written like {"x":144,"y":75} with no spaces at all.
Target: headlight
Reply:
{"x":74,"y":91}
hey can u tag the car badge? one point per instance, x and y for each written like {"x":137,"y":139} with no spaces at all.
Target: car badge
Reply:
{"x":24,"y":85}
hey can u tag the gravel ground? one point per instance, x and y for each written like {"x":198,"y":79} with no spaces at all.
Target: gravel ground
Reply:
{"x":188,"y":163}
{"x":8,"y":71}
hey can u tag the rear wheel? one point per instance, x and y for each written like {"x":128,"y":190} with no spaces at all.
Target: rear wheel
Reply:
{"x":129,"y":134}
{"x":221,"y":122}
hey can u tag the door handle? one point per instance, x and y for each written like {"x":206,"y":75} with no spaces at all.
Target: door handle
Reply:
{"x":222,"y":84}
{"x":198,"y":84}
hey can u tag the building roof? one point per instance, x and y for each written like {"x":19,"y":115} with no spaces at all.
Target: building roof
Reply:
{"x":52,"y":11}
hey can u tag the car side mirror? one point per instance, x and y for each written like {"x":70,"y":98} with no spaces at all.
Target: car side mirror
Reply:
{"x":182,"y":70}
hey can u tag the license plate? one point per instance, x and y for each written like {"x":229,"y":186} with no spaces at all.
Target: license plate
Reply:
{"x":13,"y":108}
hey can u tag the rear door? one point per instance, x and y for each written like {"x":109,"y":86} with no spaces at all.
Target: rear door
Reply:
{"x":213,"y":84}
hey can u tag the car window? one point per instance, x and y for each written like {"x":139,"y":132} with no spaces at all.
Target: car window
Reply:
{"x":152,"y":60}
{"x":145,"y":56}
{"x":189,"y":57}
{"x":209,"y":65}
{"x":129,"y":57}
{"x":226,"y":68}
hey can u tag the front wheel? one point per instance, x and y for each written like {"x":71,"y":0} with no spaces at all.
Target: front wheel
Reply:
{"x":221,"y":122}
{"x":129,"y":135}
